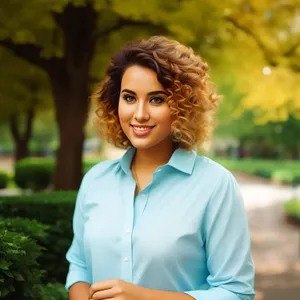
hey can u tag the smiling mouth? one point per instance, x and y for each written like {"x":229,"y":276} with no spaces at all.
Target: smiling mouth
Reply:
{"x":141,"y":130}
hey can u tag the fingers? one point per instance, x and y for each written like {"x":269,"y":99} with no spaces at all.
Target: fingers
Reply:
{"x":103,"y":295}
{"x":104,"y":289}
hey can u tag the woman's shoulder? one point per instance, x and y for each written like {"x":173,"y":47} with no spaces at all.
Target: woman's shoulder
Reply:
{"x":210,"y":166}
{"x":99,"y":169}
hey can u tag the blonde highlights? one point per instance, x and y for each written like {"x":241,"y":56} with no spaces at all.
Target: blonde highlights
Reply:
{"x":183,"y":74}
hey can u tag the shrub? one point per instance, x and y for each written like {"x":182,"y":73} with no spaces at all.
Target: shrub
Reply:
{"x":53,"y":291}
{"x":56,"y":210}
{"x":292,"y":208}
{"x":37,"y":173}
{"x":264,"y":173}
{"x":34,"y":173}
{"x":20,"y":274}
{"x":287,"y":176}
{"x":30,"y":228}
{"x":3,"y":180}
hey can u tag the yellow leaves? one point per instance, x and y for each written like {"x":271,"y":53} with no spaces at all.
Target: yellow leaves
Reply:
{"x":100,"y":4}
{"x":24,"y":36}
{"x":276,"y":94}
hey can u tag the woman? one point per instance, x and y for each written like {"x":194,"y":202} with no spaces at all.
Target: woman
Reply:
{"x":161,"y":222}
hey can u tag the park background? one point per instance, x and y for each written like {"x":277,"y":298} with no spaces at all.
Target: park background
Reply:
{"x":53,"y":53}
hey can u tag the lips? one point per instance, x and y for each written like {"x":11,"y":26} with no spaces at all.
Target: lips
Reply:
{"x":141,"y":130}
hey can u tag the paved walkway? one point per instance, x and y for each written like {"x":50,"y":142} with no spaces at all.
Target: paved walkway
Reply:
{"x":275,"y":243}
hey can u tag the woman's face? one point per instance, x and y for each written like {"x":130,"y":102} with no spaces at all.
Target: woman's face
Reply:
{"x":144,"y":114}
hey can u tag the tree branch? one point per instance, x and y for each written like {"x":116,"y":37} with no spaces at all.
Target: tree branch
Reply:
{"x":31,"y":53}
{"x":291,"y":50}
{"x":13,"y":124}
{"x":260,"y":44}
{"x":29,"y":123}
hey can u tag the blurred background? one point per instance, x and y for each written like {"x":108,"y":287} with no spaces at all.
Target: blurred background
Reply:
{"x":52,"y":55}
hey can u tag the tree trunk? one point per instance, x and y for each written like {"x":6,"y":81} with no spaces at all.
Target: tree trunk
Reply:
{"x":71,"y":120}
{"x":22,"y":140}
{"x":21,"y":150}
{"x":69,"y":78}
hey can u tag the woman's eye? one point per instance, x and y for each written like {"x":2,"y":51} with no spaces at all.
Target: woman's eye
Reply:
{"x":157,"y":100}
{"x":128,"y":98}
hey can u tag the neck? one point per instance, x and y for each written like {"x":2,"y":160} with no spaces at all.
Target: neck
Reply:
{"x":154,"y":157}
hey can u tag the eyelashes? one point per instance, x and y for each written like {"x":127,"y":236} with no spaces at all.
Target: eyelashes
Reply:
{"x":131,"y":99}
{"x":128,"y":98}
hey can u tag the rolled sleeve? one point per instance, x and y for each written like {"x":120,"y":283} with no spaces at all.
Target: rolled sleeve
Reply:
{"x":218,"y":293}
{"x":227,"y":245}
{"x":78,"y":269}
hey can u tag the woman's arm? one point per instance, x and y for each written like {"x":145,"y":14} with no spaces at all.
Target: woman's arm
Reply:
{"x":227,"y":246}
{"x":79,"y":291}
{"x":78,"y":267}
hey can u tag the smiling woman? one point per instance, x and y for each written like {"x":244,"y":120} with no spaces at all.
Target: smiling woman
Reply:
{"x":161,"y":222}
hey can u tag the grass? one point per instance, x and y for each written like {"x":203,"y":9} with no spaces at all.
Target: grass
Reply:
{"x":285,"y":171}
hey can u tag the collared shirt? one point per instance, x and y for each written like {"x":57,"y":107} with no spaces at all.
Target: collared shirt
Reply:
{"x":187,"y":231}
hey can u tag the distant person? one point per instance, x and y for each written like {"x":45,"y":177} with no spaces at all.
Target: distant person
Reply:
{"x":161,"y":222}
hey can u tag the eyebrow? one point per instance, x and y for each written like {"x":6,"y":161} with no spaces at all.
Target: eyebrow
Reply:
{"x":149,"y":94}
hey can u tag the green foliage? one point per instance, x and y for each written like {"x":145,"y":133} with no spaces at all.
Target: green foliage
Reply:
{"x":20,"y":274}
{"x":292,"y":208}
{"x":34,"y":173}
{"x":23,"y":86}
{"x":55,"y":210}
{"x":29,"y":227}
{"x":3,"y":179}
{"x":287,"y":176}
{"x":53,"y":291}
{"x":286,"y":171}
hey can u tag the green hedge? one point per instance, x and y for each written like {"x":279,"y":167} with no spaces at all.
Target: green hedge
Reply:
{"x":34,"y":173}
{"x":37,"y":173}
{"x":20,"y":274}
{"x":3,"y":179}
{"x":53,"y":291}
{"x":53,"y":209}
{"x":286,"y":171}
{"x":292,"y":208}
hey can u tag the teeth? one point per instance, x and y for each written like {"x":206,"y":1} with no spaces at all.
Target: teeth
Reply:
{"x":142,"y":128}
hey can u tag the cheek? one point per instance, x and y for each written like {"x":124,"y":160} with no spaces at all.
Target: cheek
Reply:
{"x":164,"y":117}
{"x":123,"y":112}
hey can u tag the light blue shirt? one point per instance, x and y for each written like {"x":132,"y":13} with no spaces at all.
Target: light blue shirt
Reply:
{"x":187,"y":231}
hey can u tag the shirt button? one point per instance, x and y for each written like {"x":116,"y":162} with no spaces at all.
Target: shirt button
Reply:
{"x":144,"y":196}
{"x":128,"y":230}
{"x":126,"y":259}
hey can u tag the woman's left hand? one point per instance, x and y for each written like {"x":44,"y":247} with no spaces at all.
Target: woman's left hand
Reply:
{"x":116,"y":289}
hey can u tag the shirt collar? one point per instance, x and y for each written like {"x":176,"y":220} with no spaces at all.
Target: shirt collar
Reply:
{"x":126,"y":160}
{"x":182,"y":160}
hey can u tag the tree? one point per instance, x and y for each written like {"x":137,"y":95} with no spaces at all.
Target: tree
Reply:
{"x":21,"y":81}
{"x":273,"y":88}
{"x":66,"y":37}
{"x":273,"y":139}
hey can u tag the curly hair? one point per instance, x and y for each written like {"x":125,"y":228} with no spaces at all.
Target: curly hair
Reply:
{"x":183,"y":74}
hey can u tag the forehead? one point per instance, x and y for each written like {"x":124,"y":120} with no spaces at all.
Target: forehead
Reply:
{"x":140,"y":79}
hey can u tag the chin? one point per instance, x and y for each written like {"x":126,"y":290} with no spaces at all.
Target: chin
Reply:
{"x":142,"y":145}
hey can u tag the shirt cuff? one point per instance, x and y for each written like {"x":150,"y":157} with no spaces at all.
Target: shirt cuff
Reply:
{"x":217,"y":293}
{"x":76,"y":276}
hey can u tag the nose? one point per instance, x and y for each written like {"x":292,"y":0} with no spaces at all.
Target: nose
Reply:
{"x":141,"y":112}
